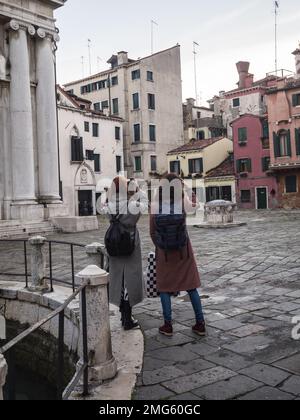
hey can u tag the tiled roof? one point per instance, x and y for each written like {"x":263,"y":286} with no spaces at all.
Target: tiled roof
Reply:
{"x":195,"y":145}
{"x":226,"y":168}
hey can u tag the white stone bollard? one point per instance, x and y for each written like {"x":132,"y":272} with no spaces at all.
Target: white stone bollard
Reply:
{"x":3,"y":373}
{"x":102,"y":364}
{"x":38,"y":264}
{"x":96,"y":252}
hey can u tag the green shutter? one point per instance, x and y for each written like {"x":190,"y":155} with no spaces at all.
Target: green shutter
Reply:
{"x":191,"y":166}
{"x":238,"y":166}
{"x":297,"y":137}
{"x":289,"y":146}
{"x":295,"y":100}
{"x":276,"y":145}
{"x":249,"y":165}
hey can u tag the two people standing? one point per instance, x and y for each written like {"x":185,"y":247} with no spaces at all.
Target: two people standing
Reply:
{"x":175,"y":261}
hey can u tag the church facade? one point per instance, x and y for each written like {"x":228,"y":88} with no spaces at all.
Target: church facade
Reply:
{"x":29,"y":171}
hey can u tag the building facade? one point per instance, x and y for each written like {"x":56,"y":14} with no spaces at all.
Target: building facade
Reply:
{"x":248,"y":98}
{"x":91,"y":153}
{"x":200,"y":123}
{"x":256,"y":187}
{"x":220,"y":182}
{"x":194,"y":160}
{"x":29,"y":175}
{"x":147,"y":94}
{"x":284,"y":125}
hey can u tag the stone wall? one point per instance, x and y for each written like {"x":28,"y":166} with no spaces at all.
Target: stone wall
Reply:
{"x":38,"y":352}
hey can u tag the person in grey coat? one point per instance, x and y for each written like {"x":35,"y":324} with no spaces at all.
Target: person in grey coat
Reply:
{"x":126,"y":288}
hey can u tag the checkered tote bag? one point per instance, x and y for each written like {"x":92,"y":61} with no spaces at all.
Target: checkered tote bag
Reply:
{"x":151,"y":286}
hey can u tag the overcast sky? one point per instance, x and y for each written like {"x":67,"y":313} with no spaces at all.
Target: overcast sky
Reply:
{"x":226,"y":31}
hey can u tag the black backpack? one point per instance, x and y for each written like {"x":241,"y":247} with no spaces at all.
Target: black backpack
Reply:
{"x":171,"y":232}
{"x":119,"y":241}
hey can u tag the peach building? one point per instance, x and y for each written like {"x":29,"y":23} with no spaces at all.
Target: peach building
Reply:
{"x":284,"y":125}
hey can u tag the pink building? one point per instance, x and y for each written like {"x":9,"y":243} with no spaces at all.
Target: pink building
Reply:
{"x":256,"y":187}
{"x":284,"y":123}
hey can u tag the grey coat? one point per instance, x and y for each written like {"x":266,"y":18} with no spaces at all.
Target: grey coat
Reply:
{"x":127,"y":269}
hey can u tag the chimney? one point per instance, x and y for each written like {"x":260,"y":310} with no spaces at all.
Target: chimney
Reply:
{"x":243,"y":70}
{"x":191,"y":102}
{"x":249,"y":81}
{"x":122,"y":58}
{"x":296,"y":53}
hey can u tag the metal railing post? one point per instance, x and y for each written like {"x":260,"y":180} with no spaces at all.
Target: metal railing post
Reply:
{"x":102,"y":364}
{"x":3,"y":373}
{"x":60,"y":364}
{"x":38,"y":264}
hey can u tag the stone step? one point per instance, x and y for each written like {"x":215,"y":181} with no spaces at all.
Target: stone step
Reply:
{"x":17,"y":230}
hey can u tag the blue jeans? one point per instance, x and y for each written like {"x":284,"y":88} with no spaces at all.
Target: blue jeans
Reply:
{"x":195,"y":300}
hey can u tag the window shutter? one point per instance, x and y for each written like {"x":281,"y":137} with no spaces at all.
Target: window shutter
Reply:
{"x":201,"y":166}
{"x":297,"y":137}
{"x":295,"y":100}
{"x":289,"y":146}
{"x":73,"y":149}
{"x":238,"y":166}
{"x":249,"y":165}
{"x":191,"y":166}
{"x":276,"y":140}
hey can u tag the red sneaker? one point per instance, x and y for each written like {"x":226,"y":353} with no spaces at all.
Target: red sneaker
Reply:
{"x":200,"y":328}
{"x":167,"y":329}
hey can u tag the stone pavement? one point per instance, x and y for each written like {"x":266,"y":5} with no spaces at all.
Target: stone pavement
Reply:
{"x":250,"y":291}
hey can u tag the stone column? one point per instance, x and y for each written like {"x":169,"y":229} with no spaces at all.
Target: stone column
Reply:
{"x":38,"y":265}
{"x":21,"y":113}
{"x":47,"y":117}
{"x":3,"y":373}
{"x":102,"y":364}
{"x":96,"y":253}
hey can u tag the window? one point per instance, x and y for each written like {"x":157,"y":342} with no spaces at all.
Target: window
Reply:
{"x":119,"y":163}
{"x":150,"y":76}
{"x":104,"y":105}
{"x":151,"y":101}
{"x":136,"y":100}
{"x":242,"y":135}
{"x":89,"y":155}
{"x":137,"y":133}
{"x":77,"y":149}
{"x":282,"y":144}
{"x":291,"y":184}
{"x":95,"y":130}
{"x":265,"y":164}
{"x":152,"y":132}
{"x":265,"y":126}
{"x":198,"y":115}
{"x":153,"y":163}
{"x":296,"y":99}
{"x":244,"y":165}
{"x":136,"y":74}
{"x":297,"y":138}
{"x":236,"y":102}
{"x":115,"y":103}
{"x":175,"y":167}
{"x":97,"y":106}
{"x":200,"y":135}
{"x":245,"y":196}
{"x":86,"y":126}
{"x":117,"y":133}
{"x":114,"y":81}
{"x":196,"y":166}
{"x":101,"y":84}
{"x":97,"y":163}
{"x":138,"y":163}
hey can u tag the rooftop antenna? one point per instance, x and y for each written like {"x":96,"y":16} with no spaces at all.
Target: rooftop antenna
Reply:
{"x":276,"y":8}
{"x":195,"y":45}
{"x":90,"y":61}
{"x":152,"y":35}
{"x":82,"y":65}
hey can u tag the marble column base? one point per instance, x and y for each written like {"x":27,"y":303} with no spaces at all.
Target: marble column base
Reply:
{"x":104,"y":372}
{"x":26,"y":211}
{"x":58,"y":209}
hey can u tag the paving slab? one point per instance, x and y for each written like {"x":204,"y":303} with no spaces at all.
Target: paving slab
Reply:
{"x":267,"y":394}
{"x":267,"y":374}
